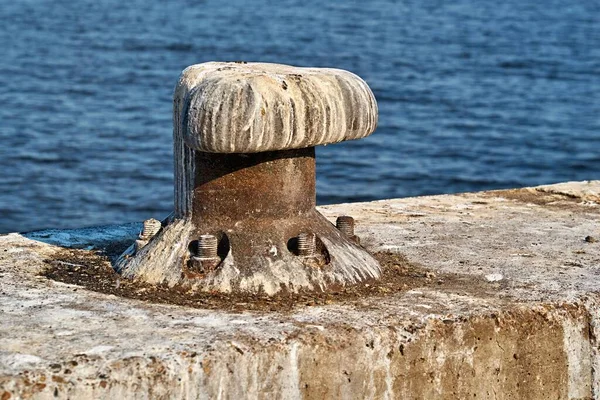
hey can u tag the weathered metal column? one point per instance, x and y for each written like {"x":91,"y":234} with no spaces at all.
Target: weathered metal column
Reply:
{"x":245,"y":217}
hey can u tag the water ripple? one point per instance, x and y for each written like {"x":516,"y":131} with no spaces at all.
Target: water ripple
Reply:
{"x":472,"y":96}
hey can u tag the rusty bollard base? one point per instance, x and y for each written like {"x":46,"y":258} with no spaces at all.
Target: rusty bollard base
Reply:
{"x":245,"y":182}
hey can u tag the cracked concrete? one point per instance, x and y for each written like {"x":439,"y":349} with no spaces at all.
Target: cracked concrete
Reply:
{"x":524,"y":325}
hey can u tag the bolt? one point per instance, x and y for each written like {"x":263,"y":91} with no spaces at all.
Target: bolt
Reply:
{"x":206,"y":258}
{"x":307,"y":244}
{"x":207,"y":246}
{"x":151,"y":228}
{"x":345,"y":224}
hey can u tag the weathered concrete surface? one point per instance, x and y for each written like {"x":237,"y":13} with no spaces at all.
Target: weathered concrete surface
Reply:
{"x":522,"y":324}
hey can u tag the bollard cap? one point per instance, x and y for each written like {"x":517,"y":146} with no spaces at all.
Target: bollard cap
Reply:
{"x":254,"y":107}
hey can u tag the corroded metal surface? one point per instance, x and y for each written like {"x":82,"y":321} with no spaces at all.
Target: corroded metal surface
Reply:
{"x":270,"y":185}
{"x":258,"y":205}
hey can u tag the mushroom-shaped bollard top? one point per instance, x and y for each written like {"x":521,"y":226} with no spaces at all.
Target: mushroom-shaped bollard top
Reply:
{"x":256,"y":107}
{"x":245,"y":137}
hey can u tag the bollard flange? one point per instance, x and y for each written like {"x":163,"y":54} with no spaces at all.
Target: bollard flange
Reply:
{"x":245,"y":173}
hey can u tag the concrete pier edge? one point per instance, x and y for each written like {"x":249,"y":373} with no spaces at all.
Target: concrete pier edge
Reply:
{"x":520,"y":319}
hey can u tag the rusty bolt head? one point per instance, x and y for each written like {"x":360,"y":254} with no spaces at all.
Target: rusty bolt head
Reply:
{"x":307,"y":244}
{"x":151,"y":228}
{"x":206,"y":258}
{"x":207,"y":246}
{"x":345,"y":224}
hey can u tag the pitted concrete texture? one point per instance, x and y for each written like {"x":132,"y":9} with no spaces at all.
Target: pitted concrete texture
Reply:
{"x":523,"y":325}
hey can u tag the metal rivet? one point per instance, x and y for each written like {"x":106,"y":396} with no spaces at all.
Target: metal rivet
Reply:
{"x":307,"y":244}
{"x":345,"y":224}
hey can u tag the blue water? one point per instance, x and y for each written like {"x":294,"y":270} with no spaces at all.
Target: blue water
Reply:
{"x":472,"y":94}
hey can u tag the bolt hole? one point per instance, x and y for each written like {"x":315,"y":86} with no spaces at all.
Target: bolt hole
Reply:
{"x":193,"y":247}
{"x":292,"y":245}
{"x":223,"y":246}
